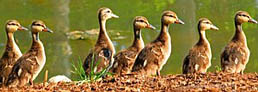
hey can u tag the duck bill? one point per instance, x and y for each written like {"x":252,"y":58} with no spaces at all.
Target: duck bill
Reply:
{"x":252,"y":21}
{"x":213,"y":27}
{"x":47,"y":30}
{"x":151,"y":27}
{"x":114,"y":15}
{"x":21,"y":28}
{"x":178,"y":21}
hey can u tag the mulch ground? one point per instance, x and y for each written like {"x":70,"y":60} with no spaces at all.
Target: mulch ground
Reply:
{"x":213,"y":82}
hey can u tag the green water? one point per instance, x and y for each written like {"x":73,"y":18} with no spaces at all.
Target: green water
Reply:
{"x":68,"y":15}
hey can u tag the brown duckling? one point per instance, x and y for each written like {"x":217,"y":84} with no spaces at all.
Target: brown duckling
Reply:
{"x":124,"y":59}
{"x":103,"y":42}
{"x":236,"y":54}
{"x":12,"y":51}
{"x":154,"y":55}
{"x":29,"y":65}
{"x":199,"y":58}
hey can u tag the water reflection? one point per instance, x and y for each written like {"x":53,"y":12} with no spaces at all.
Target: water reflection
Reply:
{"x":68,"y":15}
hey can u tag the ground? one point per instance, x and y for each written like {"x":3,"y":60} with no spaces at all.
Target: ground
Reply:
{"x":212,"y":82}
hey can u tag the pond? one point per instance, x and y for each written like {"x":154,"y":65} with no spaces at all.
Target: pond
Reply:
{"x":64,"y":16}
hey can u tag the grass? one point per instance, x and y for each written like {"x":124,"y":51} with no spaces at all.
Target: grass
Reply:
{"x":218,"y":68}
{"x":93,"y":76}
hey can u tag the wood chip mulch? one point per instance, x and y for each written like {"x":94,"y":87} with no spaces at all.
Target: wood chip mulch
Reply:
{"x":213,"y":82}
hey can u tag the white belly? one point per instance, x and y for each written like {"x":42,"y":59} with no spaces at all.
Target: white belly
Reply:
{"x":209,"y":55}
{"x":167,"y":54}
{"x":41,"y":62}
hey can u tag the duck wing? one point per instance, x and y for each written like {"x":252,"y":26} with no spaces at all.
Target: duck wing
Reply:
{"x":196,"y":59}
{"x":232,"y":55}
{"x":87,"y":62}
{"x":152,"y":53}
{"x":123,"y":60}
{"x":23,"y":69}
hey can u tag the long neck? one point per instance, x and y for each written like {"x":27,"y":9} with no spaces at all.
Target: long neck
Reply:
{"x":138,"y":42}
{"x":10,"y":39}
{"x":164,"y":35}
{"x":11,"y":44}
{"x":239,"y":34}
{"x":102,"y":32}
{"x":202,"y":38}
{"x":36,"y":43}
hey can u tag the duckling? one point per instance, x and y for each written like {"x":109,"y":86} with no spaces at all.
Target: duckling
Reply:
{"x":12,"y":51}
{"x":199,"y":58}
{"x":103,"y":42}
{"x":29,"y":65}
{"x":154,"y":55}
{"x":236,"y":54}
{"x":124,"y":59}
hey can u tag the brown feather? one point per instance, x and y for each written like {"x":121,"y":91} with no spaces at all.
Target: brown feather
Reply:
{"x":236,"y":54}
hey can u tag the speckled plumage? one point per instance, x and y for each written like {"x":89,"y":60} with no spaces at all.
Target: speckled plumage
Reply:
{"x":12,"y":51}
{"x":124,"y":59}
{"x":155,"y":54}
{"x":236,"y":53}
{"x":29,"y":65}
{"x":103,"y":42}
{"x":199,"y":57}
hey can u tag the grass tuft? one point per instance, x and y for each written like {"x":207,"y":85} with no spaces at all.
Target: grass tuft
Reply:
{"x":93,"y":76}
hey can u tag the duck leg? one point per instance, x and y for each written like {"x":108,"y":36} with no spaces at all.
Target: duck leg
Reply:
{"x":158,"y":72}
{"x":31,"y":81}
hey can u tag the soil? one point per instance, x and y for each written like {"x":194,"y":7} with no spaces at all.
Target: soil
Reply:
{"x":213,"y":82}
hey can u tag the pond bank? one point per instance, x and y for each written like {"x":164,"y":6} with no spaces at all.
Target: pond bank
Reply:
{"x":213,"y":82}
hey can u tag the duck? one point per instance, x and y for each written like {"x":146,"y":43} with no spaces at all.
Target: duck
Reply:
{"x":199,"y":58}
{"x":103,"y":41}
{"x":124,"y":59}
{"x":154,"y":55}
{"x":12,"y":51}
{"x":236,"y":53}
{"x":29,"y":65}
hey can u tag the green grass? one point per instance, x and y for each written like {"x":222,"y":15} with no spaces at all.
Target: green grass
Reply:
{"x":93,"y":76}
{"x":218,"y":68}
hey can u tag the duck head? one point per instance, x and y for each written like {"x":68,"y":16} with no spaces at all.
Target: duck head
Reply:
{"x":39,"y":26}
{"x":14,"y":25}
{"x":206,"y":24}
{"x":243,"y":17}
{"x":170,"y":17}
{"x":142,"y":22}
{"x":106,"y":13}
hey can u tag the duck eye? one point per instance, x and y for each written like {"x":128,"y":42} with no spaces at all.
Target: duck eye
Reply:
{"x":141,"y":21}
{"x":246,"y":16}
{"x":171,"y":16}
{"x":39,"y":25}
{"x":13,"y":24}
{"x":108,"y":11}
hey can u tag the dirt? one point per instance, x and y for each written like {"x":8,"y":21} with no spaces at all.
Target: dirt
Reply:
{"x":213,"y":82}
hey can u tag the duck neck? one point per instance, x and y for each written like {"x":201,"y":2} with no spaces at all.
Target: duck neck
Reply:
{"x":102,"y":25}
{"x":102,"y":33}
{"x":138,"y":42}
{"x":202,"y":38}
{"x":164,"y":34}
{"x":11,"y":42}
{"x":10,"y":39}
{"x":239,"y":33}
{"x":36,"y":43}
